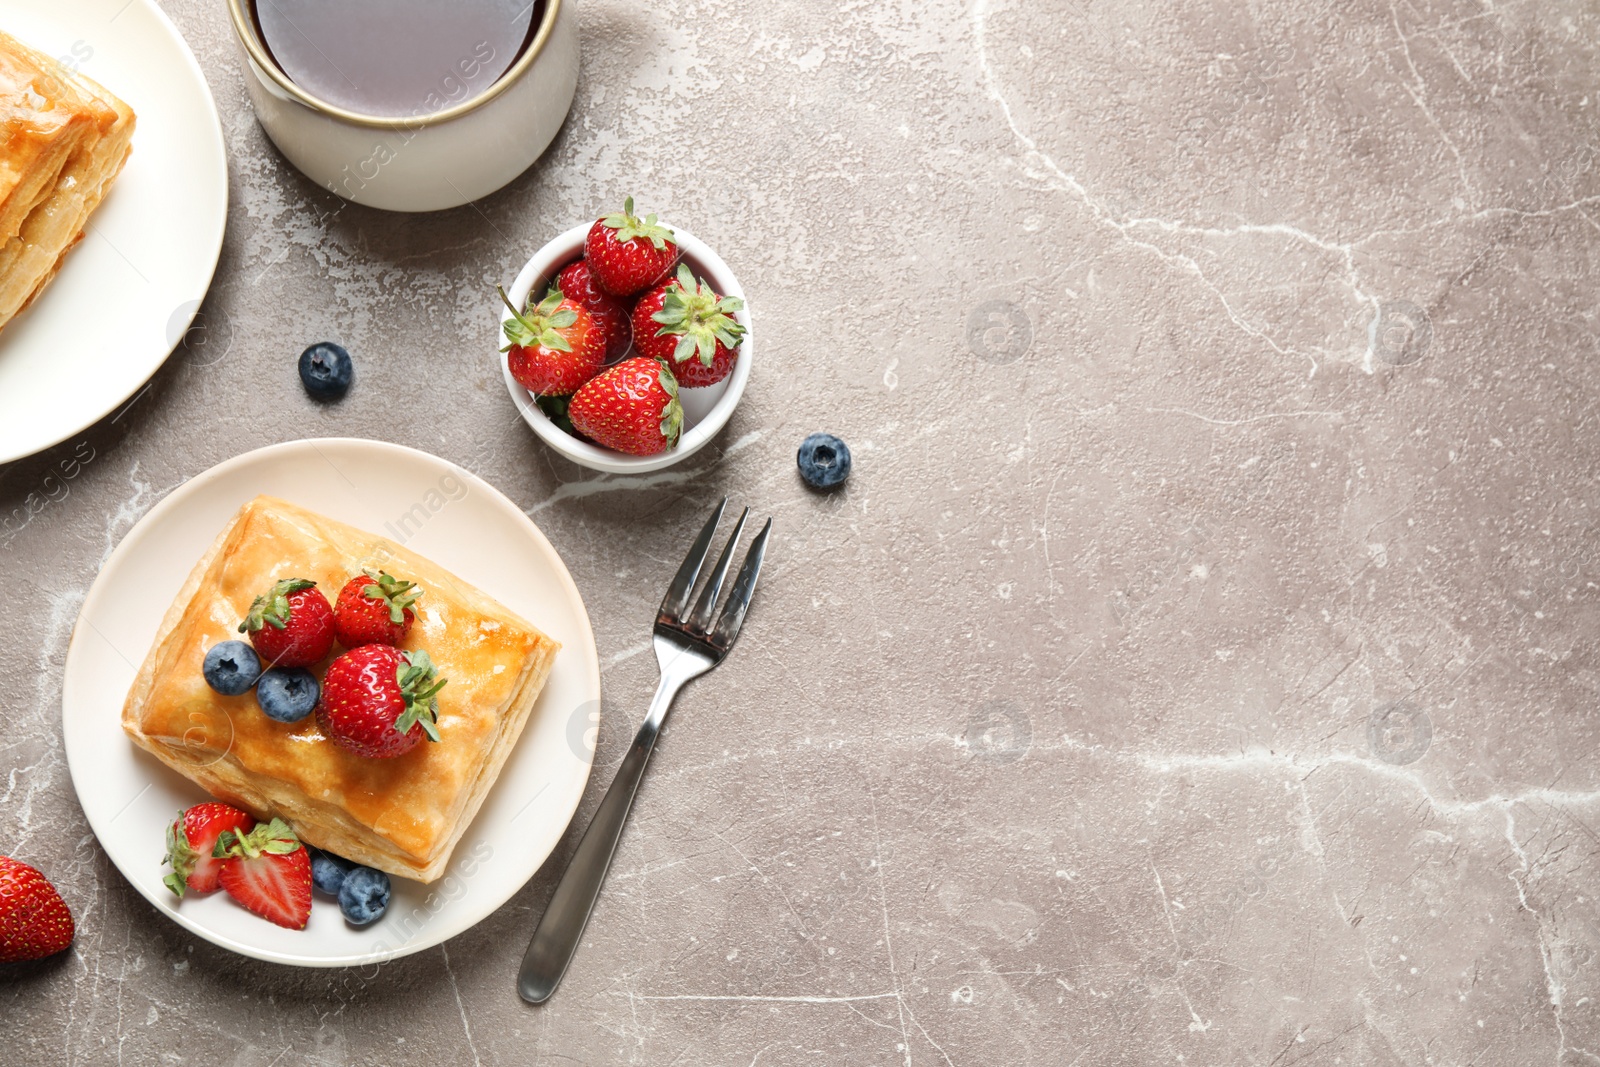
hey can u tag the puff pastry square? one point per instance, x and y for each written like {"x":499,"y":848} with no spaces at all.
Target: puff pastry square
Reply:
{"x":63,"y":141}
{"x":402,"y":815}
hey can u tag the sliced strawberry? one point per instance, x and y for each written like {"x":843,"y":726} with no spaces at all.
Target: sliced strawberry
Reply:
{"x":192,"y":837}
{"x":34,"y":920}
{"x":269,"y":872}
{"x":374,"y":609}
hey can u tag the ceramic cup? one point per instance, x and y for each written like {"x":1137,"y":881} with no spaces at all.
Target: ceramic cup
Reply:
{"x":444,"y":157}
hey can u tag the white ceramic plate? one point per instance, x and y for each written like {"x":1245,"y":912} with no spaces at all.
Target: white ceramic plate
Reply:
{"x":434,"y":508}
{"x":706,"y":410}
{"x":128,"y":292}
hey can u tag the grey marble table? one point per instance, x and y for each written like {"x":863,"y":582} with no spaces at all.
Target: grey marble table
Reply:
{"x":1201,"y":665}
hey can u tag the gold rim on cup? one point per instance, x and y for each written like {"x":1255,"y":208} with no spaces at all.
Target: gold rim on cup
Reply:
{"x":244,"y":26}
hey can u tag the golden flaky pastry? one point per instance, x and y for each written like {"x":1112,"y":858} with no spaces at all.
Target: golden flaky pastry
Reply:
{"x":63,"y":141}
{"x":400,"y":815}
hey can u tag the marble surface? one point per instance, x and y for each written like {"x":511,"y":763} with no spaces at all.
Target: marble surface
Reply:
{"x":1200,"y":666}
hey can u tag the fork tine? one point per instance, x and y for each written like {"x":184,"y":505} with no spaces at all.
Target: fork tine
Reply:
{"x":677,"y":597}
{"x":743,"y":586}
{"x":701,"y":618}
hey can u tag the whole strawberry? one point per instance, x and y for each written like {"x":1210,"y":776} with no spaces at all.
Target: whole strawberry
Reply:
{"x":380,"y":702}
{"x":632,"y":407}
{"x":626,"y":253}
{"x":291,"y":624}
{"x":610,"y":313}
{"x":374,"y":609}
{"x":34,"y":920}
{"x":267,"y":870}
{"x":687,"y":326}
{"x":554,"y":347}
{"x":191,"y":840}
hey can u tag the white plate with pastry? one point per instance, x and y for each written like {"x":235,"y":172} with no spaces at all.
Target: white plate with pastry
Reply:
{"x":113,"y":203}
{"x":459,"y":824}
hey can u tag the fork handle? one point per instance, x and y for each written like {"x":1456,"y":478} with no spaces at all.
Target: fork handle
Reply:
{"x":561,"y":928}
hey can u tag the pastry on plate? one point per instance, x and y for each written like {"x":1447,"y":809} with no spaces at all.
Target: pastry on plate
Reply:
{"x":63,"y":141}
{"x":401,"y":815}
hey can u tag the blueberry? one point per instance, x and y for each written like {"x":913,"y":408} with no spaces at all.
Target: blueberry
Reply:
{"x":328,"y":872}
{"x":325,"y":368}
{"x":231,"y":667}
{"x":364,"y":896}
{"x":824,"y":461}
{"x":288,"y":694}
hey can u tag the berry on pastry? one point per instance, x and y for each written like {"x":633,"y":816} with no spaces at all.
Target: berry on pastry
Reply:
{"x":291,"y":624}
{"x":380,"y":702}
{"x":231,"y":667}
{"x":688,"y":326}
{"x":190,"y":841}
{"x":287,"y":694}
{"x":374,"y":609}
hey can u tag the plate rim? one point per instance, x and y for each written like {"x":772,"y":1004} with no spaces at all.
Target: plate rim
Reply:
{"x":173,"y":499}
{"x":220,"y":144}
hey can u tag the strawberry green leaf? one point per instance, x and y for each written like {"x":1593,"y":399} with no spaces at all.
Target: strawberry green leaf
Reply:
{"x":272,"y":607}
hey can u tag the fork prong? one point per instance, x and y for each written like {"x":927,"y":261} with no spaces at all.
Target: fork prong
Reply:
{"x":701,"y":618}
{"x":743,"y":586}
{"x":677,"y":598}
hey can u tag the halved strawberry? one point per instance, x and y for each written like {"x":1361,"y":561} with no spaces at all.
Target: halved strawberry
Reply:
{"x":626,"y":253}
{"x":633,"y":408}
{"x":554,"y":347}
{"x":374,"y":609}
{"x":190,"y":841}
{"x":269,"y":872}
{"x":690,"y":327}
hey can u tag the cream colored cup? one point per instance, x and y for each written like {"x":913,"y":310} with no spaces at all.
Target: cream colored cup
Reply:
{"x":445,"y":158}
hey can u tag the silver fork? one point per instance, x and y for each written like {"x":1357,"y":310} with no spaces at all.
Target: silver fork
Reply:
{"x":688,"y":645}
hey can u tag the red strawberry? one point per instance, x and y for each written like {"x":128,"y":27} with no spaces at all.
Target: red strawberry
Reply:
{"x":269,"y":872}
{"x":190,"y":841}
{"x":610,"y":313}
{"x":380,"y":702}
{"x":291,"y":624}
{"x":633,"y":408}
{"x":374,"y":609}
{"x":554,"y":347}
{"x":34,"y":920}
{"x":627,"y":253}
{"x":691,"y":329}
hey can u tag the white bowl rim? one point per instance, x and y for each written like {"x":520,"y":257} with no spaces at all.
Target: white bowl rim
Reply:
{"x":564,"y":248}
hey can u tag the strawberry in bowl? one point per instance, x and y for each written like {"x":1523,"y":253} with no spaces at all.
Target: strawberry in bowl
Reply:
{"x":713,"y":310}
{"x":686,"y":325}
{"x":554,"y":347}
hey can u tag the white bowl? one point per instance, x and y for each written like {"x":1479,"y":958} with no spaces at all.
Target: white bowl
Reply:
{"x":705,"y":410}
